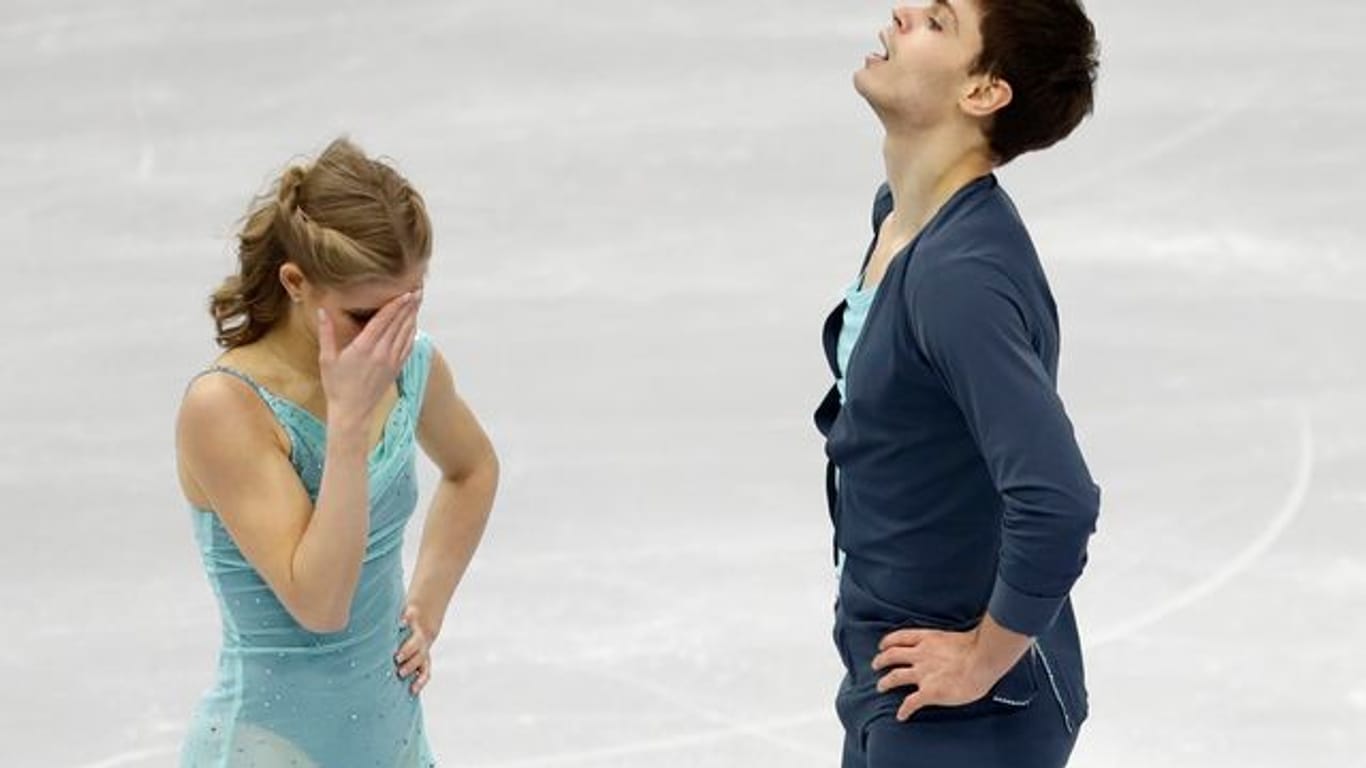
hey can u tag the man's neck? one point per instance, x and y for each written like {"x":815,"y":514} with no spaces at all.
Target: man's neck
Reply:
{"x":924,"y":171}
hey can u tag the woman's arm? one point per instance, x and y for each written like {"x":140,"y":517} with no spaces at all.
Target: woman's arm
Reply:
{"x":451,"y":437}
{"x":228,"y":446}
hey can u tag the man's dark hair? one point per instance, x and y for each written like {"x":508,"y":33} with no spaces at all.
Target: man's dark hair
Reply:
{"x":1046,"y":51}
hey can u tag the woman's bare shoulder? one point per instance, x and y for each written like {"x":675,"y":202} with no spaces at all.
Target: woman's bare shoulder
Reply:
{"x":225,"y":402}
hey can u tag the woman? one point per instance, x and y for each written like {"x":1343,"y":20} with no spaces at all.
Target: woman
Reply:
{"x":296,"y":454}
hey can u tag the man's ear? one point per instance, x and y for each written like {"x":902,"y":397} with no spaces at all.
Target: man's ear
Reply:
{"x":985,"y":96}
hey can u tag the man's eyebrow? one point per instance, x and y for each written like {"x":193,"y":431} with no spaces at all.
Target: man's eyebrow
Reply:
{"x":952,"y":12}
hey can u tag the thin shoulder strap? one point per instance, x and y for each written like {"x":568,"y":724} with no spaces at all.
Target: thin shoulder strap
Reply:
{"x":260,"y":391}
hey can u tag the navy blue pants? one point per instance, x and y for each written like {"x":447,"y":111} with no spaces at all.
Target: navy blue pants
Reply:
{"x":1034,"y":736}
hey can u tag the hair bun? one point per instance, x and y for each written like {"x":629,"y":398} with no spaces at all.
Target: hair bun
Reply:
{"x":291,"y":182}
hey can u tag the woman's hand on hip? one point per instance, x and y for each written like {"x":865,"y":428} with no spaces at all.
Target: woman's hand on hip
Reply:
{"x":415,"y":655}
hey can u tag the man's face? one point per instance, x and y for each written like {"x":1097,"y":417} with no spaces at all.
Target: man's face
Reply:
{"x":921,"y":72}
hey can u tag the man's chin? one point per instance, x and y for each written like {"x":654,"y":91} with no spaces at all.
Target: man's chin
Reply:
{"x":862,"y":85}
{"x":869,"y":93}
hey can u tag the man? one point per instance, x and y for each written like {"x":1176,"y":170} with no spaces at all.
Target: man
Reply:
{"x":960,"y":500}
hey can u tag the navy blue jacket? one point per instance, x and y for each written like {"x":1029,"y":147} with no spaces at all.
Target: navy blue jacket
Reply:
{"x":961,"y":488}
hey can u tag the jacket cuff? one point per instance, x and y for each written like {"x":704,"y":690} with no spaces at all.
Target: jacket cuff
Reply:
{"x":1022,"y":613}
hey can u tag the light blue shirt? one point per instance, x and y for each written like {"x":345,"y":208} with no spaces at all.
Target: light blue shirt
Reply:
{"x":857,"y":301}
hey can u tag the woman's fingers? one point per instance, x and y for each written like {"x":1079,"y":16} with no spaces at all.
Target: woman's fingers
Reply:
{"x":410,"y":647}
{"x":389,"y":339}
{"x":415,"y":654}
{"x":403,"y":342}
{"x":420,"y":659}
{"x":396,"y":343}
{"x":415,"y":663}
{"x":327,"y":338}
{"x":370,"y":337}
{"x":407,"y":347}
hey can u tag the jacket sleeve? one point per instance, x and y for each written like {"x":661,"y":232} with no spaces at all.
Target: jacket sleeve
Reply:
{"x":970,"y":322}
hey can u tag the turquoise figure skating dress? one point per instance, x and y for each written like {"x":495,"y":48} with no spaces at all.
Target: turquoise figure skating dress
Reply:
{"x":286,"y":697}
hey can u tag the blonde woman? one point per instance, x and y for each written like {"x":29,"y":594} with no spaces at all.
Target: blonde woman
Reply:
{"x":296,"y":453}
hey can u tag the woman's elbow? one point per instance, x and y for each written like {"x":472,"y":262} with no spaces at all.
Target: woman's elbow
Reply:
{"x":482,"y":472}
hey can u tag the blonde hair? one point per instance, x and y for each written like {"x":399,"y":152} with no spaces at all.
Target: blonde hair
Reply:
{"x":342,"y":219}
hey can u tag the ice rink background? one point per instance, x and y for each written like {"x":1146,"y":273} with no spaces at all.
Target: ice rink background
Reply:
{"x":643,"y":213}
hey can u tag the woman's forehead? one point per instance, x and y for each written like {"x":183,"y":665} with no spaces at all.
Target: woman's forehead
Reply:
{"x":379,"y":290}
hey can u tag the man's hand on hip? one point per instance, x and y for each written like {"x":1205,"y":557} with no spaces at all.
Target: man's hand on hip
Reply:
{"x":949,"y":669}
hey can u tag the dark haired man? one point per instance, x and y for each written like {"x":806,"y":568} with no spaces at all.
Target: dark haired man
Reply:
{"x":961,"y":503}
